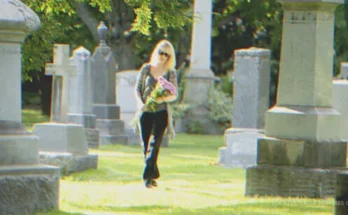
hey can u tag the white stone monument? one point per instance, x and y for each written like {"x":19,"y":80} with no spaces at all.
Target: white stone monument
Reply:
{"x":126,"y":99}
{"x":111,"y":127}
{"x":340,"y":99}
{"x":250,"y":103}
{"x":61,"y":70}
{"x":303,"y":150}
{"x":200,"y":78}
{"x":61,"y":143}
{"x":22,"y":178}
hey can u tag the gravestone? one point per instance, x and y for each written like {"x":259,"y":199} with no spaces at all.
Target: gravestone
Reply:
{"x":81,"y":95}
{"x":200,"y":78}
{"x":22,"y":178}
{"x":63,"y":144}
{"x":250,"y":102}
{"x":340,"y":99}
{"x":112,"y":129}
{"x":344,"y":71}
{"x":302,"y":151}
{"x":126,"y":99}
{"x":61,"y":70}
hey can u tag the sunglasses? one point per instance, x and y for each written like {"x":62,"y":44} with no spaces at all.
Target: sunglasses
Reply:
{"x":163,"y":53}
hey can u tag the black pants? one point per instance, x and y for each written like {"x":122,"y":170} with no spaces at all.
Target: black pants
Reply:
{"x":155,"y":124}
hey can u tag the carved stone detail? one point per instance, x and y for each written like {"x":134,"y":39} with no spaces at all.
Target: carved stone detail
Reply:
{"x":306,"y":17}
{"x":32,"y":21}
{"x":10,"y":50}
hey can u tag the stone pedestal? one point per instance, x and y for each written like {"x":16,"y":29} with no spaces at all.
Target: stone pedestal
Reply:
{"x":241,"y":145}
{"x":303,"y":149}
{"x":197,"y":94}
{"x":65,"y":145}
{"x":88,"y":121}
{"x":26,"y":187}
{"x":111,"y":128}
{"x":69,"y":162}
{"x":111,"y":131}
{"x":291,"y":181}
{"x":21,"y":188}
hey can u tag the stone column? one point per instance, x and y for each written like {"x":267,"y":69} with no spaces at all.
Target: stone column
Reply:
{"x":112,"y":129}
{"x":81,"y":96}
{"x":250,"y":102}
{"x":21,"y":177}
{"x":303,"y":148}
{"x":200,"y":78}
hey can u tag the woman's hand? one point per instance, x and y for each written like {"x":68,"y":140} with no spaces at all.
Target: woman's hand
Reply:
{"x":169,"y":98}
{"x":160,"y":100}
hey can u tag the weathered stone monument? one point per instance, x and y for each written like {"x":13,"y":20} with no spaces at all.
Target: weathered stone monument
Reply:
{"x":61,"y":71}
{"x":111,"y":127}
{"x":250,"y":103}
{"x":126,"y":99}
{"x":81,"y":95}
{"x":63,"y":144}
{"x":26,"y":187}
{"x":302,"y":150}
{"x":200,"y":78}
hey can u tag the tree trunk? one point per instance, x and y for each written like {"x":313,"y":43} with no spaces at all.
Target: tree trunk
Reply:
{"x":119,"y":21}
{"x":124,"y":54}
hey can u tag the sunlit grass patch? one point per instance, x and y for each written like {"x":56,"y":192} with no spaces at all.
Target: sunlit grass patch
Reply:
{"x":30,"y":117}
{"x":191,"y":183}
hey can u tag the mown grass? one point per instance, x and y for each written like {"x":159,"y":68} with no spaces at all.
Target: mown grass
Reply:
{"x":31,"y":116}
{"x":191,"y":183}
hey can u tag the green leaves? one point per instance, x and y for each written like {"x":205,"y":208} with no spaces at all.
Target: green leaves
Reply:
{"x":165,"y":13}
{"x":143,"y":18}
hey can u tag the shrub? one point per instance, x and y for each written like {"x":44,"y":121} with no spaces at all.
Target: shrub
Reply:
{"x":220,"y":107}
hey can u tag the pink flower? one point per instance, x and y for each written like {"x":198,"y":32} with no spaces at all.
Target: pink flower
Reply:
{"x":167,"y":85}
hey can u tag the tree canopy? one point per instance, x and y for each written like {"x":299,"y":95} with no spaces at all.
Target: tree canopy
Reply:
{"x":75,"y":22}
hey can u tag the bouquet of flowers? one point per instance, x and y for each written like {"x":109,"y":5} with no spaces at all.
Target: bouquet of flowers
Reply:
{"x":163,"y":89}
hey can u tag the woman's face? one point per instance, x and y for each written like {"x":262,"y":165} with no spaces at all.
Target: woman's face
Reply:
{"x":163,"y":55}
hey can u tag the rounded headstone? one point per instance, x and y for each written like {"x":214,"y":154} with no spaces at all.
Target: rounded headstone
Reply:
{"x":16,"y":16}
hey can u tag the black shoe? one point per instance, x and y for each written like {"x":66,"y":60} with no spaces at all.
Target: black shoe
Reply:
{"x":154,"y":183}
{"x":148,"y":183}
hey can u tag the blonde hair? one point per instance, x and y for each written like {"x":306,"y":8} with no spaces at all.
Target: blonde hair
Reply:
{"x":167,"y":47}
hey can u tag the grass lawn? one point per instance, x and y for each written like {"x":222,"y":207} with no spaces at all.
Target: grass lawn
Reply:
{"x":191,"y":183}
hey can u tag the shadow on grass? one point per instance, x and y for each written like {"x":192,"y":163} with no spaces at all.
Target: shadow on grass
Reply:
{"x":255,"y":208}
{"x":55,"y":212}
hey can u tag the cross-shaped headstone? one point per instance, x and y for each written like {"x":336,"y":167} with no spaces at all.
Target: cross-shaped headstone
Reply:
{"x":61,"y":70}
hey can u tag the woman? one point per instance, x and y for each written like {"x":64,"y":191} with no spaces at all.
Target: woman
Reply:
{"x":162,"y":63}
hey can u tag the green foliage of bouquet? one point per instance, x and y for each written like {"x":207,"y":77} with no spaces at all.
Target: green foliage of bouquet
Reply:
{"x":162,"y":89}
